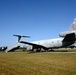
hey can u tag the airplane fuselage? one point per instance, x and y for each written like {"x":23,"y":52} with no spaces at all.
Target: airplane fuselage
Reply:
{"x":50,"y":43}
{"x":68,"y":38}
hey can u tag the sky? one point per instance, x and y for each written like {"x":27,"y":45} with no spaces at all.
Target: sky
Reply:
{"x":40,"y":19}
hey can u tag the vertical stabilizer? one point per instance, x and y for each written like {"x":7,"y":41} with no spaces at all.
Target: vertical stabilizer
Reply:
{"x":72,"y":26}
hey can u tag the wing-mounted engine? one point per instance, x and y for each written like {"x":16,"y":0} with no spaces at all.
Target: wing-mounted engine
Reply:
{"x":28,"y":47}
{"x":63,"y":34}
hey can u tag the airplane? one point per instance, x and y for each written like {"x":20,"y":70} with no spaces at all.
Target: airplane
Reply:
{"x":65,"y":40}
{"x":13,"y":47}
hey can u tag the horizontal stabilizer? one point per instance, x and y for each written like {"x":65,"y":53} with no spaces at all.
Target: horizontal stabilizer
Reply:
{"x":20,"y":36}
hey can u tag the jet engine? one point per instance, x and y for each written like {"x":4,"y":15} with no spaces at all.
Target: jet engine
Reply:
{"x":28,"y":47}
{"x":63,"y":34}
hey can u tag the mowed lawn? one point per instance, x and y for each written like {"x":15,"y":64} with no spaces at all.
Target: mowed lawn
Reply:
{"x":43,"y":63}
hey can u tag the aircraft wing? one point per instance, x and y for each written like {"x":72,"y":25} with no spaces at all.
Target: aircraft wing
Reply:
{"x":33,"y":44}
{"x":69,"y":38}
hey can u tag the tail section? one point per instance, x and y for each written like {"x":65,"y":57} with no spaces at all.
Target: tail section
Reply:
{"x":19,"y":37}
{"x":72,"y":26}
{"x":16,"y":46}
{"x":71,"y":29}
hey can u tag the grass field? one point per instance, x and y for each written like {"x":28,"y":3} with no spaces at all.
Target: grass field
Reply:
{"x":43,"y":63}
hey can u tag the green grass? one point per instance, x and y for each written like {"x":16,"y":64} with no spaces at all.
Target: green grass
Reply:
{"x":44,"y":63}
